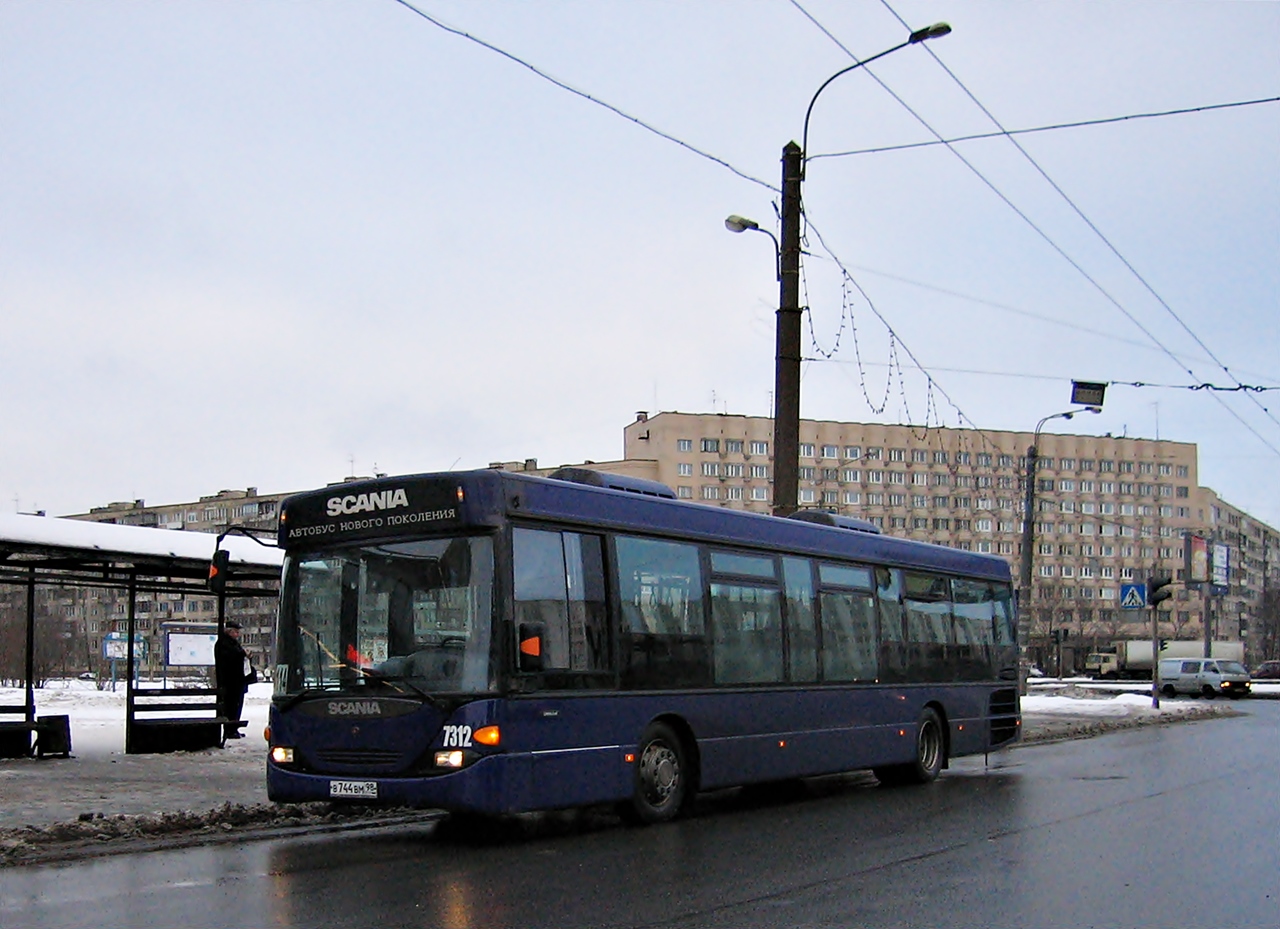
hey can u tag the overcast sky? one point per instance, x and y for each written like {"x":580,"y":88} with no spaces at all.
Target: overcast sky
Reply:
{"x":269,"y":243}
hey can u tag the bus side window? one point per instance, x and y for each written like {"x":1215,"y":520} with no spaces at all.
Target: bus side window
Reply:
{"x":893,"y":655}
{"x":928,"y":611}
{"x":559,"y":585}
{"x":660,"y":591}
{"x":971,"y":624}
{"x":802,"y":636}
{"x":748,"y":633}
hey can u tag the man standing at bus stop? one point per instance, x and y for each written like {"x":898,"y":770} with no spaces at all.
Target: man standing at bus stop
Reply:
{"x":234,"y":675}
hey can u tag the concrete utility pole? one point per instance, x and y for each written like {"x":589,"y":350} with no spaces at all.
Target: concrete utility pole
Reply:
{"x":786,"y":414}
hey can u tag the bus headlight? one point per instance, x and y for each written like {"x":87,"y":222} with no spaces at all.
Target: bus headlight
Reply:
{"x":451,"y":759}
{"x":281,"y":755}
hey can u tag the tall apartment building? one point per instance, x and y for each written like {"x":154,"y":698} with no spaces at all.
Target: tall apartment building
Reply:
{"x":1108,"y":510}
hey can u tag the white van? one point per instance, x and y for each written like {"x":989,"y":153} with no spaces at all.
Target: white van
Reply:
{"x":1204,"y":676}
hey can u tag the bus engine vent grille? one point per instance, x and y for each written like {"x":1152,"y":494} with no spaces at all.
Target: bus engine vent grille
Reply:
{"x":358,"y":756}
{"x":1004,"y":716}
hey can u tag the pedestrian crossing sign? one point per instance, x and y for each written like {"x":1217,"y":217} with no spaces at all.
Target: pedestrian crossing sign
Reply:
{"x":1133,"y":596}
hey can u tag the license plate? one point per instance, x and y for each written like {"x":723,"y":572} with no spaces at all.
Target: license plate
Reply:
{"x":364,"y":790}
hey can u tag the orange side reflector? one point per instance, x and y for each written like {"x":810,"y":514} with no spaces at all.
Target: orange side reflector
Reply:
{"x":266,"y":733}
{"x":902,"y":732}
{"x":629,"y":758}
{"x":782,"y":743}
{"x":531,"y":646}
{"x":489,"y":735}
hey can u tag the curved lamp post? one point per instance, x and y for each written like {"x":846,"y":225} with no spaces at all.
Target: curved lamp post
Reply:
{"x":786,"y":414}
{"x":1028,"y":522}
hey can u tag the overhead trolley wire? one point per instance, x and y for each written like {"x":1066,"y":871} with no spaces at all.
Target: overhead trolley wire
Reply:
{"x":1033,"y":225}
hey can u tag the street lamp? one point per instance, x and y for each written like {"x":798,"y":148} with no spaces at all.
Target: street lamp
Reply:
{"x":736,"y":223}
{"x":1029,"y":516}
{"x":786,"y":414}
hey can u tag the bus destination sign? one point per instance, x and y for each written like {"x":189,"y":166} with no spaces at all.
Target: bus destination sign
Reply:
{"x":369,"y":509}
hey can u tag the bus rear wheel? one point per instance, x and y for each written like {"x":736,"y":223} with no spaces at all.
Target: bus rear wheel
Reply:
{"x":663,"y":777}
{"x":931,"y":750}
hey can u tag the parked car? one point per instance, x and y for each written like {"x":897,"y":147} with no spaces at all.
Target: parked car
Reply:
{"x":1267,"y":671}
{"x":1204,"y":677}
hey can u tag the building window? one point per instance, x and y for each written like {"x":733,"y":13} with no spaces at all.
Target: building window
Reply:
{"x":873,"y":453}
{"x":711,"y":445}
{"x":829,"y":496}
{"x":733,"y":470}
{"x":984,"y":460}
{"x":941,"y":503}
{"x":984,"y":547}
{"x":684,"y":445}
{"x":897,"y":454}
{"x":733,"y":446}
{"x":897,"y":500}
{"x":759,"y":448}
{"x":852,"y":475}
{"x":807,"y":496}
{"x":852,"y":498}
{"x":684,"y":493}
{"x":920,"y":522}
{"x":684,"y":469}
{"x":920,"y":478}
{"x":874,"y":499}
{"x":875,"y":477}
{"x":939,"y":457}
{"x":941,"y":523}
{"x":710,"y":469}
{"x":853,"y":452}
{"x":805,"y":473}
{"x":831,"y":474}
{"x":830,"y":451}
{"x":897,"y":477}
{"x":733,"y":493}
{"x":919,"y":455}
{"x":759,"y":470}
{"x":919,"y":501}
{"x":984,"y":525}
{"x":759,"y":493}
{"x":898,"y":522}
{"x":710,"y":493}
{"x":1046,"y":570}
{"x":806,"y":450}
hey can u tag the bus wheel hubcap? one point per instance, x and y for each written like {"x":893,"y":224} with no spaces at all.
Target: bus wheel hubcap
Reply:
{"x":661,"y":770}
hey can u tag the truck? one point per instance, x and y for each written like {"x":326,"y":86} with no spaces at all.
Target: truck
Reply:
{"x":1130,"y":659}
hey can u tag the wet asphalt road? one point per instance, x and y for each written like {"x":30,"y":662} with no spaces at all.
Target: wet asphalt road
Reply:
{"x":1163,"y":826}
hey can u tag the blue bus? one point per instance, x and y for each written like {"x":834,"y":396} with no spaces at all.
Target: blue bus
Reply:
{"x":492,"y":642}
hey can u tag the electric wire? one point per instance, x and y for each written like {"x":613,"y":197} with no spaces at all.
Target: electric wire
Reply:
{"x":1097,"y":285}
{"x":1096,"y":230}
{"x":1012,"y":132}
{"x":516,"y":59}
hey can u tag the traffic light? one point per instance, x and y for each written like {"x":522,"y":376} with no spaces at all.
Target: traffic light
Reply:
{"x":1158,"y":589}
{"x":218,"y":570}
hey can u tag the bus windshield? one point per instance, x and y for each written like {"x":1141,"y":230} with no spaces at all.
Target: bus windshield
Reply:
{"x":414,"y":617}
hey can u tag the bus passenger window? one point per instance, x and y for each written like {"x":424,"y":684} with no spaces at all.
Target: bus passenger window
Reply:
{"x":660,"y":591}
{"x":849,"y":643}
{"x":928,"y":612}
{"x":748,"y":634}
{"x":559,"y":585}
{"x":971,"y":624}
{"x":893,"y":655}
{"x":802,"y":636}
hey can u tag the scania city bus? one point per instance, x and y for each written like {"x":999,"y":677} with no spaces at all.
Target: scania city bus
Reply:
{"x":494,"y":642}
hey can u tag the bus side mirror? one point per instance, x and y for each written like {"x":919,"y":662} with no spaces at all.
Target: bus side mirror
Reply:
{"x":531,"y":635}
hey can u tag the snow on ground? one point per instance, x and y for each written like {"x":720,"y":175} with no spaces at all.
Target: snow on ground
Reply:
{"x":97,"y":716}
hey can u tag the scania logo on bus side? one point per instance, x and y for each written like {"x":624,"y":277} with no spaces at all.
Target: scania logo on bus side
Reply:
{"x":354,"y":708}
{"x":367,"y":503}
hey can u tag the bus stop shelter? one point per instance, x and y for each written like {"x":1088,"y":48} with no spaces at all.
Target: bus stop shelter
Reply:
{"x":40,"y":551}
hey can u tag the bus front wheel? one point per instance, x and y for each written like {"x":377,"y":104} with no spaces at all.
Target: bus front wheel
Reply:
{"x":931,"y":750}
{"x":662,"y":778}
